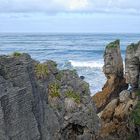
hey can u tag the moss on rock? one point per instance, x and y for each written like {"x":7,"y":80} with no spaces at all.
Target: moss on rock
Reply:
{"x":114,"y":44}
{"x":133,"y":46}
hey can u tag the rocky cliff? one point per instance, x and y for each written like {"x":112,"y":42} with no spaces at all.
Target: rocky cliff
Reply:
{"x":119,"y":108}
{"x":39,"y":102}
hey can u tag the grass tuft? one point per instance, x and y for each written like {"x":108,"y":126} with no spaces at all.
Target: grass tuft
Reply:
{"x":75,"y":96}
{"x":41,"y":71}
{"x":54,"y":90}
{"x":16,"y":54}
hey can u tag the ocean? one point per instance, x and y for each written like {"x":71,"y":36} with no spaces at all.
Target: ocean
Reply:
{"x":83,"y":52}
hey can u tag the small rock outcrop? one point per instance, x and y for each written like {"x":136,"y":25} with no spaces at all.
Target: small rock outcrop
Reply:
{"x":39,"y":102}
{"x":113,"y":70}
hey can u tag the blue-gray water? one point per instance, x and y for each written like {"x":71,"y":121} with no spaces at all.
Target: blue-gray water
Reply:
{"x":83,"y":52}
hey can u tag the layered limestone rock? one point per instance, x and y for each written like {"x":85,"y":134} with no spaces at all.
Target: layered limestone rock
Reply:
{"x":132,"y":65}
{"x":39,"y":102}
{"x":120,"y":117}
{"x":116,"y":121}
{"x":132,"y":74}
{"x":113,"y":70}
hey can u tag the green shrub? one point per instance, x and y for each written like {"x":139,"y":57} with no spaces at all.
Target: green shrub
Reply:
{"x":113,"y":44}
{"x":75,"y":96}
{"x":16,"y":54}
{"x":54,"y":90}
{"x":133,"y":46}
{"x":41,"y":71}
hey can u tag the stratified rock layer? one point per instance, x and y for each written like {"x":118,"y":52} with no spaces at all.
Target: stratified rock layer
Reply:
{"x":132,"y":65}
{"x":120,"y":117}
{"x":39,"y":102}
{"x":113,"y":70}
{"x":116,"y":123}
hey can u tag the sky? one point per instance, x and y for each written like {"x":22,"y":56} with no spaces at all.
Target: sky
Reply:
{"x":80,"y":16}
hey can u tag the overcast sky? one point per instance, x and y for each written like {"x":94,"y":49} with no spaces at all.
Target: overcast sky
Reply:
{"x":116,"y":16}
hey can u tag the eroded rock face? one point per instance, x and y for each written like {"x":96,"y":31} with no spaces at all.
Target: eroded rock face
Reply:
{"x":113,"y":70}
{"x":77,"y":108}
{"x":113,"y":63}
{"x":116,"y":123}
{"x":132,"y":65}
{"x":35,"y":100}
{"x":120,"y":117}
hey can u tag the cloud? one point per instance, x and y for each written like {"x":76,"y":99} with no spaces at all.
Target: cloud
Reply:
{"x":57,"y":6}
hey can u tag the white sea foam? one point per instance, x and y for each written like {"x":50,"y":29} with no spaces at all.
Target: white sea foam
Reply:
{"x":88,"y":64}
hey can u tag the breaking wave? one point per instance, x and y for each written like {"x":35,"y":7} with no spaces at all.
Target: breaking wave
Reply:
{"x":88,"y":64}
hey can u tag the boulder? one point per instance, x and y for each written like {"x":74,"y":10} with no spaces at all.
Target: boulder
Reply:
{"x":124,"y":96}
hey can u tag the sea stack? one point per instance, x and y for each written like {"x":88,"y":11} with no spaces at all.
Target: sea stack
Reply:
{"x":132,"y":65}
{"x":113,"y":70}
{"x":121,"y":114}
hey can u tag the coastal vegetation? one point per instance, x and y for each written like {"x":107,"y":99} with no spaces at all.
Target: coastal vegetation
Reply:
{"x":41,"y":71}
{"x":113,"y":44}
{"x":54,"y":90}
{"x":16,"y":54}
{"x":73,"y":95}
{"x":133,"y":46}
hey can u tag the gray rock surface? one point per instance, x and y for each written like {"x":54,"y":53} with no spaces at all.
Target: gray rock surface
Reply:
{"x":132,"y":74}
{"x":132,"y":65}
{"x":113,"y":63}
{"x":35,"y":100}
